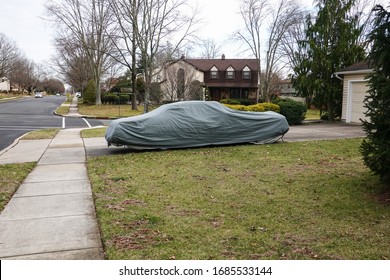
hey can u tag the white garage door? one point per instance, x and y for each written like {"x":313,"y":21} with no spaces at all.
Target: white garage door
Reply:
{"x":358,"y":92}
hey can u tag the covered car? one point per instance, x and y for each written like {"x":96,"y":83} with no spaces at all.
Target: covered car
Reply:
{"x":194,"y":124}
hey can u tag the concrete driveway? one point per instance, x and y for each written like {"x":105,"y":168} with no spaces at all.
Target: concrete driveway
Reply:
{"x":323,"y":131}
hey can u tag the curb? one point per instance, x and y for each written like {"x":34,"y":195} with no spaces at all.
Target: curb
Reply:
{"x":16,"y":141}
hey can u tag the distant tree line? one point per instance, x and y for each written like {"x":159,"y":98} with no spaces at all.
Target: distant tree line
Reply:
{"x":23,"y":73}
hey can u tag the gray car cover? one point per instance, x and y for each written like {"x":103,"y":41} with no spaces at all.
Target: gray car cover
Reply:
{"x":195,"y":124}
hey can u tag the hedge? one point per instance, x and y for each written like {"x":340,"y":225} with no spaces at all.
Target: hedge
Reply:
{"x":294,"y":111}
{"x":260,"y":107}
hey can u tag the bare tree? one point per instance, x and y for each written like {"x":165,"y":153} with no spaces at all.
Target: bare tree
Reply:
{"x":285,"y":17}
{"x":210,"y":49}
{"x":27,"y":74}
{"x":158,"y":22}
{"x":253,"y":13}
{"x":280,"y":18}
{"x":124,"y":40}
{"x":71,"y":63}
{"x":9,"y":54}
{"x":87,"y":23}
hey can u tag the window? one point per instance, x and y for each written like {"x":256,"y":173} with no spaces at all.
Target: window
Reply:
{"x":246,"y":73}
{"x":230,"y":73}
{"x":214,"y":73}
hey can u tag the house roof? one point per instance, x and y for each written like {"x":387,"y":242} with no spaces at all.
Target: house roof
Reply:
{"x":361,"y":67}
{"x":222,"y":63}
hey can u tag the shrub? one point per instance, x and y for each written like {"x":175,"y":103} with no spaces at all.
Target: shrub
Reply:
{"x":124,"y":98}
{"x":260,"y":107}
{"x":89,"y":96}
{"x":109,"y":98}
{"x":294,"y":111}
{"x":246,"y":102}
{"x":237,"y":107}
{"x":271,"y":107}
{"x":230,"y":101}
{"x":256,"y":108}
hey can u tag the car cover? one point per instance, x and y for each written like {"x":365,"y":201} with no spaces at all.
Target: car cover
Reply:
{"x":195,"y":124}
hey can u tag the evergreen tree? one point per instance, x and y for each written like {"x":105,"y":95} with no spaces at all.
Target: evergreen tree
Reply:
{"x":376,"y":147}
{"x":331,"y":44}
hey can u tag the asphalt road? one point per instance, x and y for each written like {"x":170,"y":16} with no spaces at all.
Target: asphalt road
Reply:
{"x":18,"y":117}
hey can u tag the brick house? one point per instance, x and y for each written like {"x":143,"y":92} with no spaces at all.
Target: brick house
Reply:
{"x":221,"y":78}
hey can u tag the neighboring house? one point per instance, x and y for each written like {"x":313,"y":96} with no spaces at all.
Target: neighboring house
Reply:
{"x":223,"y":78}
{"x":354,"y":91}
{"x":5,"y":84}
{"x":287,"y":91}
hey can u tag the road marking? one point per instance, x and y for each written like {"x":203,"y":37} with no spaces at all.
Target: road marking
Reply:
{"x":63,"y":122}
{"x":87,"y":122}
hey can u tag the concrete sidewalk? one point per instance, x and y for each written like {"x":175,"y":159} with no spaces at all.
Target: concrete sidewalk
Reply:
{"x":52,"y":215}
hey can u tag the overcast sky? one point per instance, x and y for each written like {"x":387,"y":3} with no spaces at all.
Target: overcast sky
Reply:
{"x":23,"y":21}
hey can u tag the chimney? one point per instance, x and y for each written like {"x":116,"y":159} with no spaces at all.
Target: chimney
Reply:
{"x":223,"y":57}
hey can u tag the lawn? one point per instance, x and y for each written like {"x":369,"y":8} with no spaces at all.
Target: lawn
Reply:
{"x":112,"y":111}
{"x":11,"y":177}
{"x":308,"y":200}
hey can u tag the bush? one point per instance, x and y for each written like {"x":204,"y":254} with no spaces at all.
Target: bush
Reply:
{"x":89,"y":95}
{"x":260,"y":107}
{"x":271,"y":107}
{"x":237,"y":107}
{"x":109,"y":98}
{"x":243,"y":101}
{"x":230,"y":101}
{"x":256,"y":108}
{"x":293,"y":111}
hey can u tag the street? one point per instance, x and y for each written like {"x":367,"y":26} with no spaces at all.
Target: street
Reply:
{"x":18,"y":117}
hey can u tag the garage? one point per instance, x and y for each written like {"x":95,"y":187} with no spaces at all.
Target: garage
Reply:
{"x":358,"y":92}
{"x":355,"y":87}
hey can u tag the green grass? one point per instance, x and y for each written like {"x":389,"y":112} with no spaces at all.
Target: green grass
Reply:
{"x":94,"y":132}
{"x":11,"y":177}
{"x":309,"y":200}
{"x":109,"y":111}
{"x":63,"y":109}
{"x":312,"y":114}
{"x":41,"y":134}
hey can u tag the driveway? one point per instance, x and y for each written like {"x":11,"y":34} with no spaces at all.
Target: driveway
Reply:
{"x":323,"y":131}
{"x":306,"y":132}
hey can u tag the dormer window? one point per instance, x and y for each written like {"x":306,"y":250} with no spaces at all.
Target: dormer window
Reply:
{"x":230,"y":73}
{"x":214,"y":73}
{"x":246,"y":73}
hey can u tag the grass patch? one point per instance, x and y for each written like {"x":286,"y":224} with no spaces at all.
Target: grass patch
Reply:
{"x":11,"y":177}
{"x":94,"y":132}
{"x":41,"y":134}
{"x":312,"y":114}
{"x":109,"y":111}
{"x":308,"y":200}
{"x":63,"y":110}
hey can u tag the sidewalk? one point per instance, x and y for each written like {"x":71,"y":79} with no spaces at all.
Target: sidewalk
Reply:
{"x":52,"y":215}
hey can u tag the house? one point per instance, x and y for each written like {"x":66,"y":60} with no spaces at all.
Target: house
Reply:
{"x":287,"y":91}
{"x":222,"y":78}
{"x":355,"y":86}
{"x":5,"y":84}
